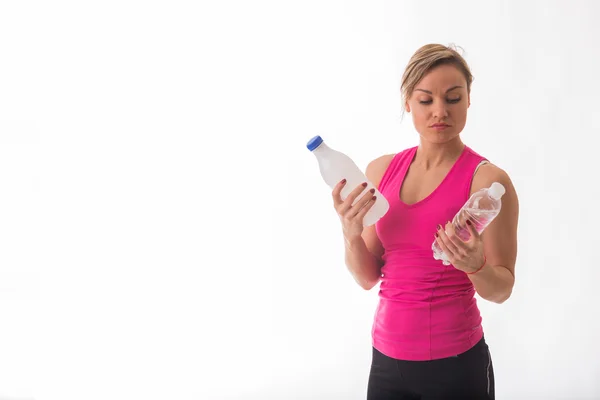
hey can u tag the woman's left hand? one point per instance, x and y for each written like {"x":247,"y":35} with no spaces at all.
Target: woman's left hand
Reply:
{"x":465,"y":256}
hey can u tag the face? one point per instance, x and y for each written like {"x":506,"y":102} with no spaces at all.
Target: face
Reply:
{"x":439,"y":104}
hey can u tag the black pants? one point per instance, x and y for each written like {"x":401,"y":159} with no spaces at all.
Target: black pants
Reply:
{"x":469,"y":375}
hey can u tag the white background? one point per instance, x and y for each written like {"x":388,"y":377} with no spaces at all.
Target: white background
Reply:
{"x":165,"y":233}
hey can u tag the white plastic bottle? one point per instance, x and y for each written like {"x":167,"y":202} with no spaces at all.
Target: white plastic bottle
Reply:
{"x":481,"y":208}
{"x":335,"y":166}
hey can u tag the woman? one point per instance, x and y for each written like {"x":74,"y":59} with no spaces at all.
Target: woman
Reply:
{"x":428,"y":340}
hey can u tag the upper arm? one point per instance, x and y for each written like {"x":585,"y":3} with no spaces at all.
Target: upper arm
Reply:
{"x":374,"y":173}
{"x":500,"y":237}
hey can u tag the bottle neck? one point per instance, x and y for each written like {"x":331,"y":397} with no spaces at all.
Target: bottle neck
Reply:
{"x":322,"y":149}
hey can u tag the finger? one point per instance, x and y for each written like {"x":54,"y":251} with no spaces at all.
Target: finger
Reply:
{"x":455,"y":240}
{"x":449,"y":254}
{"x":347,"y":204}
{"x":474,"y":234}
{"x":361,"y":203}
{"x":441,"y":234}
{"x":337,"y":193}
{"x":369,"y":204}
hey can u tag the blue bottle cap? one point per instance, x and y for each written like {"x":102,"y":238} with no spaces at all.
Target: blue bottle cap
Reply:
{"x":314,"y":143}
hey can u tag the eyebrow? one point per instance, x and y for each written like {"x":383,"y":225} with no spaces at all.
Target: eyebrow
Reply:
{"x":449,"y":90}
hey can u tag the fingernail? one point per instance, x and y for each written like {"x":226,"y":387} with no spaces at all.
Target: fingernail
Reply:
{"x":469,"y":222}
{"x":374,"y":198}
{"x":364,"y":184}
{"x":343,"y":181}
{"x":372,"y":190}
{"x":436,"y":235}
{"x":439,"y":227}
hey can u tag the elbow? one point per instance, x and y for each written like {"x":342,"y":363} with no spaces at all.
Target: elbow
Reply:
{"x":505,"y":297}
{"x":368,"y":284}
{"x":501,"y":292}
{"x":499,"y":298}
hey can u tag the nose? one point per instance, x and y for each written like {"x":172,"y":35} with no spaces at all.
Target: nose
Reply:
{"x":440,"y":111}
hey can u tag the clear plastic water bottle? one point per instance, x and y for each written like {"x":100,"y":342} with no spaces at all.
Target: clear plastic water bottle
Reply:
{"x":481,"y":208}
{"x":335,"y":166}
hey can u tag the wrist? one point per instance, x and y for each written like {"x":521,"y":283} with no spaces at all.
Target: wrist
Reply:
{"x":353,"y":242}
{"x":478,"y":268}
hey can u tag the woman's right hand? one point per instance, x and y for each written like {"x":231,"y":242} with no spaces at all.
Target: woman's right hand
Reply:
{"x":350,"y":215}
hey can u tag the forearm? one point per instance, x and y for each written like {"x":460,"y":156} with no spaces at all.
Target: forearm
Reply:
{"x":362,"y":264}
{"x":493,"y":283}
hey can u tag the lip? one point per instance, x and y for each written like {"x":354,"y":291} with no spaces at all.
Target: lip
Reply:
{"x":440,"y":126}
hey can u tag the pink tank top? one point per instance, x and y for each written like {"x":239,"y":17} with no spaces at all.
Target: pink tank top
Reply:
{"x":426,"y":310}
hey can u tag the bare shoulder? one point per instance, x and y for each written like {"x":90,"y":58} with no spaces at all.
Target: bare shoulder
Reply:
{"x":377,"y":167}
{"x":488,"y":174}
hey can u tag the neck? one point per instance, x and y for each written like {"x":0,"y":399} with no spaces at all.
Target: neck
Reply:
{"x":430,"y":155}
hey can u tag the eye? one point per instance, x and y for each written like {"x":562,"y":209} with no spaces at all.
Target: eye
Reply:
{"x":426,"y":101}
{"x":453,"y":101}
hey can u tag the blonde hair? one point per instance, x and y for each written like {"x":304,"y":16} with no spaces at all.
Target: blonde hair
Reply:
{"x":425,"y":59}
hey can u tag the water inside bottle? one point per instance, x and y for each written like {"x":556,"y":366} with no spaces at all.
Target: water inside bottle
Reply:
{"x":480,"y":219}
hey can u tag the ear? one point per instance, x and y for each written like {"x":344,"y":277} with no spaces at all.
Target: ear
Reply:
{"x":407,"y":107}
{"x":469,"y":100}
